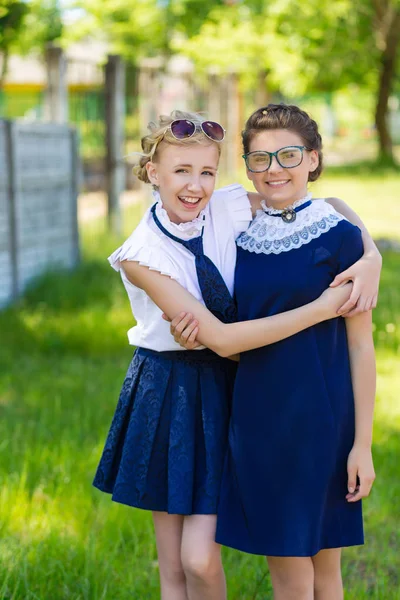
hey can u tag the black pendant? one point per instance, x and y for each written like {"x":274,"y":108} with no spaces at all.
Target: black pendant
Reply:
{"x":288,"y":215}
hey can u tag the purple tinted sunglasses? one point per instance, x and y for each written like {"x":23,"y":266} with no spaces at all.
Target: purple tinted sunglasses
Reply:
{"x":182,"y":129}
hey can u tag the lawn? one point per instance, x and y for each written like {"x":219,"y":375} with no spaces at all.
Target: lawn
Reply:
{"x":63,"y":356}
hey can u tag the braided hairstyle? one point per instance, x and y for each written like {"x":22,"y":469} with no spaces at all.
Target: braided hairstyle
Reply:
{"x":285,"y":116}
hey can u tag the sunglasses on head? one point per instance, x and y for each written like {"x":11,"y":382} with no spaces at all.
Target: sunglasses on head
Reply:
{"x":183,"y":128}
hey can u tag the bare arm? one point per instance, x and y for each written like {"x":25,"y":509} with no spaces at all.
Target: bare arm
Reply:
{"x":345,"y":210}
{"x":363,"y":375}
{"x":365,"y":273}
{"x":228,"y":339}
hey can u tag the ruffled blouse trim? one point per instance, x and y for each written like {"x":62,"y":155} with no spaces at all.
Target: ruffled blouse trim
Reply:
{"x":181,"y":230}
{"x":269,"y":235}
{"x":140,"y":248}
{"x":237,"y":204}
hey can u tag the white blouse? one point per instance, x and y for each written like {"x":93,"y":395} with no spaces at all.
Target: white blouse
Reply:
{"x":226,"y":215}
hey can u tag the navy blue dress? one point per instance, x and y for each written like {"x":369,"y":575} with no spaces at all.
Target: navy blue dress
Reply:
{"x":292,"y":425}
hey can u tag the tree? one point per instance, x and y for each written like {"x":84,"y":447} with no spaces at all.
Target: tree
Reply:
{"x":387,"y":33}
{"x":132,"y":28}
{"x":307,"y":46}
{"x":27,"y":26}
{"x":349,"y":41}
{"x":12,"y":16}
{"x":43,"y":25}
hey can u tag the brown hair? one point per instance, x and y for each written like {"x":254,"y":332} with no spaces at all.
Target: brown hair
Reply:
{"x":160,"y":133}
{"x":285,"y":116}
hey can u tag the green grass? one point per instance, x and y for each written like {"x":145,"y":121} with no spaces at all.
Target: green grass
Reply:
{"x":63,"y":356}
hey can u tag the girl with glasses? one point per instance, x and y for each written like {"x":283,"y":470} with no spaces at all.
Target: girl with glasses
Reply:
{"x":167,"y":442}
{"x":299,"y":456}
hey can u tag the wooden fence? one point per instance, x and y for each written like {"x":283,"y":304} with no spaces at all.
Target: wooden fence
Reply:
{"x":39,"y":172}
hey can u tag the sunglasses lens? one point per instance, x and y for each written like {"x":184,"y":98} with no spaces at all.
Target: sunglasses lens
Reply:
{"x":182,"y":129}
{"x":213,"y":130}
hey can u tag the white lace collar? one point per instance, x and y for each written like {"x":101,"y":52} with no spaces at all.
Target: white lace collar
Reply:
{"x":185,"y":231}
{"x":271,"y":235}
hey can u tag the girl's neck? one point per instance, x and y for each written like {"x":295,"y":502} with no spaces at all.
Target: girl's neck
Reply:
{"x":281,"y":205}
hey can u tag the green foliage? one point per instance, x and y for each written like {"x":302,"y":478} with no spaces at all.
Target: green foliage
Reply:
{"x":12,"y":15}
{"x":219,"y":44}
{"x":133,"y":28}
{"x":27,"y":26}
{"x":316,"y":45}
{"x":43,"y":25}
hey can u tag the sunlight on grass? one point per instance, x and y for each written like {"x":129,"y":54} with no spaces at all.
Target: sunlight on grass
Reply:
{"x":63,"y":357}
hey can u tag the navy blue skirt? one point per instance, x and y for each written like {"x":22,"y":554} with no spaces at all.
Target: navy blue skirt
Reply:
{"x":167,"y":442}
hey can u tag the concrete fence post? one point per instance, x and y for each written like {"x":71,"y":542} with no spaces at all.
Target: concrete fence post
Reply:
{"x":13,"y":199}
{"x":56,"y":94}
{"x":115,"y":138}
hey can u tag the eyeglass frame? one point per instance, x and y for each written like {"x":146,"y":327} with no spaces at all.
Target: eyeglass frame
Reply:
{"x":198,"y":126}
{"x":272,"y":154}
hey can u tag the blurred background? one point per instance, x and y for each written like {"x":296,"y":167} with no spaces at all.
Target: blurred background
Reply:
{"x":78,"y":84}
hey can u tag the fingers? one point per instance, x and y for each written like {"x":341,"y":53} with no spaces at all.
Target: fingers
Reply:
{"x":191,"y":340}
{"x":363,"y":305}
{"x":340,"y":278}
{"x":375,"y":301}
{"x":347,"y":306}
{"x":362,"y":490}
{"x":351,"y":302}
{"x":187,"y":334}
{"x":176,"y":323}
{"x":351,"y":478}
{"x":166,"y":318}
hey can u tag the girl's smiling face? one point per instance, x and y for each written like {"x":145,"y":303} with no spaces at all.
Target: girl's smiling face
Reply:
{"x":281,"y":187}
{"x":185,"y":177}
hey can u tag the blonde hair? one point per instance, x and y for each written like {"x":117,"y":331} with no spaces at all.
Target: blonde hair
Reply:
{"x":160,"y":133}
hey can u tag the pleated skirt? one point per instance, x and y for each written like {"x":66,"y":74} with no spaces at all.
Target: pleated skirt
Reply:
{"x":166,"y":445}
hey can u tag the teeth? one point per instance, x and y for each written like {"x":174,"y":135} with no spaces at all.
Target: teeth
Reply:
{"x":189,"y":200}
{"x":276,"y":182}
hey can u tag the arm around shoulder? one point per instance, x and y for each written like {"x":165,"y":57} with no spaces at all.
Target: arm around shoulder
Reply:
{"x":344,"y":209}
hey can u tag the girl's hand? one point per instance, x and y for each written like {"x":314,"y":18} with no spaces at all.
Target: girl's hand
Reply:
{"x":332,"y":299}
{"x":361,"y":474}
{"x":184,"y":328}
{"x":364,"y":274}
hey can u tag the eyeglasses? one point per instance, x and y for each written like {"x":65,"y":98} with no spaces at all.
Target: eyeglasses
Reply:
{"x":182,"y":129}
{"x":287,"y":157}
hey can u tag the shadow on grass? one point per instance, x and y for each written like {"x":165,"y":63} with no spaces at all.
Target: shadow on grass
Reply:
{"x":83,"y":312}
{"x":90,"y":284}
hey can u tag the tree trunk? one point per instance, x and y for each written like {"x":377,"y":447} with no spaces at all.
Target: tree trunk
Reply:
{"x":386,"y":78}
{"x":4,"y":67}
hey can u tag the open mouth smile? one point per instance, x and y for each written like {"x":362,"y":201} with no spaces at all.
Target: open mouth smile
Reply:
{"x":189,"y":201}
{"x":277,"y":184}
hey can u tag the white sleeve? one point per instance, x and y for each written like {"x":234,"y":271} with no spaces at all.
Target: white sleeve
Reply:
{"x":237,"y":204}
{"x":144,"y":247}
